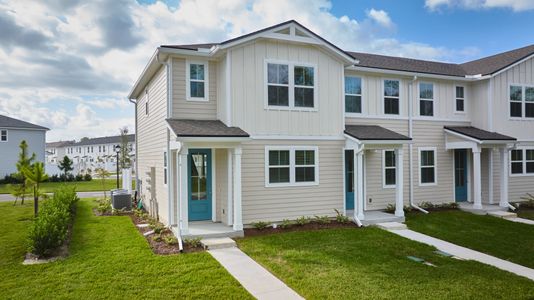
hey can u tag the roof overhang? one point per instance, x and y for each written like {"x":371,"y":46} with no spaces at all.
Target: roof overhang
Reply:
{"x":459,"y":140}
{"x":418,"y":74}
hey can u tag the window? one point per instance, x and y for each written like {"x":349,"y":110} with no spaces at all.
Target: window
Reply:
{"x":353,"y":95}
{"x":3,"y":135}
{"x":529,"y":102}
{"x":460,"y":99}
{"x":522,"y":161}
{"x":197,"y":74}
{"x":146,"y":102}
{"x":391,"y":97}
{"x":529,"y":161}
{"x":165,"y":167}
{"x":390,"y":173}
{"x":291,"y":165}
{"x":426,"y":99}
{"x":516,"y":101}
{"x":427,"y":164}
{"x":290,"y":85}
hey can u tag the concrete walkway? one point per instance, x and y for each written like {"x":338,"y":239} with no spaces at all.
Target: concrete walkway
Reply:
{"x":254,"y":278}
{"x":9,"y":197}
{"x":466,"y":253}
{"x":521,"y":220}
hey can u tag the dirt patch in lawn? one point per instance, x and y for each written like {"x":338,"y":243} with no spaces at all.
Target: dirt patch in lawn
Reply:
{"x":295,"y":227}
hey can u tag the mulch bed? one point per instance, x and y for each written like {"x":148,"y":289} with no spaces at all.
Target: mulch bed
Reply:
{"x":306,"y":227}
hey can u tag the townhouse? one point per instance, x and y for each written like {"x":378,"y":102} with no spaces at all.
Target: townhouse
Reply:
{"x":281,"y":123}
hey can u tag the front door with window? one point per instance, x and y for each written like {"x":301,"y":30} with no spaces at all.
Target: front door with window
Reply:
{"x":460,"y":175}
{"x":199,"y":172}
{"x":349,"y":179}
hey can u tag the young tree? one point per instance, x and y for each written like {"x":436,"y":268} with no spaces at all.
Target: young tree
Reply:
{"x":103,"y":174}
{"x":65,"y":165}
{"x":35,"y":176}
{"x":23,"y":162}
{"x":124,"y":156}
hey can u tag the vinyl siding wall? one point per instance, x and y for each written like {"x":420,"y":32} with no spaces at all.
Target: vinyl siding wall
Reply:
{"x":9,"y":150}
{"x":151,"y":139}
{"x":221,"y":188}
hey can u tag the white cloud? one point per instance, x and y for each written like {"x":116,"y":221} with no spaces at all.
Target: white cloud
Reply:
{"x":515,"y":5}
{"x":381,"y":17}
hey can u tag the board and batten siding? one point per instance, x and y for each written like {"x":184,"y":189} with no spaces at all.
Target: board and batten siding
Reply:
{"x":248,"y":91}
{"x":262,"y":203}
{"x":221,"y":188}
{"x":151,"y":142}
{"x":198,"y":110}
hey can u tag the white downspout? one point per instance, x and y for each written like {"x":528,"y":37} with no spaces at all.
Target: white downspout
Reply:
{"x":410,"y":146}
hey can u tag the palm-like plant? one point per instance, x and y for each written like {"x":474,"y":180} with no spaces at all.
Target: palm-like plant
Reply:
{"x":34,"y":177}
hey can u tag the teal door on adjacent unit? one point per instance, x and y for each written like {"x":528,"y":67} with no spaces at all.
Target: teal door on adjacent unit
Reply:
{"x":349,"y":179}
{"x":199,"y":173}
{"x":460,"y":175}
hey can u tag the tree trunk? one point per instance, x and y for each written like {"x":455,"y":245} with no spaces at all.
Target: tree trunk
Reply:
{"x":35,"y":203}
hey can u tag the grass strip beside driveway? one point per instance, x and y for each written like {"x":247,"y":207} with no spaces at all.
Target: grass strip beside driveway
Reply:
{"x":494,"y":236}
{"x":372,"y":264}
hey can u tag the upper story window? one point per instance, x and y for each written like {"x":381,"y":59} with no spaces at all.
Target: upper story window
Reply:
{"x":391,"y":97}
{"x":197,"y":81}
{"x":165,"y":167}
{"x":3,"y":135}
{"x":146,"y":102}
{"x":290,"y":85}
{"x":522,"y":161}
{"x":353,"y":94}
{"x":291,"y":165}
{"x":426,"y":99}
{"x":460,"y":99}
{"x":389,"y":172}
{"x":519,"y":96}
{"x":427,"y":166}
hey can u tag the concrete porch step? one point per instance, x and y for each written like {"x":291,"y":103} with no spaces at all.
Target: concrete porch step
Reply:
{"x":217,"y":243}
{"x":502,"y":214}
{"x":391,"y":226}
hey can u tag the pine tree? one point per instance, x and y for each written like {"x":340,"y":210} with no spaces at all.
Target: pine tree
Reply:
{"x":24,"y":162}
{"x":65,"y":165}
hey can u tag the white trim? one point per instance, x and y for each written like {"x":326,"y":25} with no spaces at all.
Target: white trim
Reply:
{"x":230,"y":179}
{"x":419,"y":150}
{"x":6,"y":134}
{"x":290,"y":85}
{"x":403,"y":118}
{"x":238,"y":209}
{"x":456,"y":98}
{"x":384,"y":185}
{"x":213,"y":185}
{"x":228,"y":88}
{"x":345,"y":95}
{"x":344,"y":175}
{"x":188,"y":79}
{"x":411,"y":74}
{"x":292,"y":165}
{"x":165,"y":167}
{"x":512,"y":65}
{"x":298,"y":137}
{"x":490,"y":104}
{"x":383,"y":96}
{"x":524,"y":161}
{"x":433,"y":99}
{"x":523,"y":102}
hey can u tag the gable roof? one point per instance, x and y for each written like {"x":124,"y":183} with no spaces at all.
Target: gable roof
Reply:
{"x":59,"y":144}
{"x":493,"y":64}
{"x":7,"y":122}
{"x":479,"y":134}
{"x":204,"y":128}
{"x":374,"y":133}
{"x":105,"y":140}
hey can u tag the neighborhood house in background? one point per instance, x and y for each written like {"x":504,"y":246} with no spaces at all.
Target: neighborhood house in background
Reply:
{"x":12,"y":133}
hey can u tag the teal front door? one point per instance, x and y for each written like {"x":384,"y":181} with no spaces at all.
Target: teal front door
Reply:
{"x":349,"y":179}
{"x":199,"y":173}
{"x":460,"y":175}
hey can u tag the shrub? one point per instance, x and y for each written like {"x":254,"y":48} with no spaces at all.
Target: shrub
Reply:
{"x":87,"y":177}
{"x":170,"y":240}
{"x":340,"y":218}
{"x":260,"y":225}
{"x":157,"y":227}
{"x":104,"y":206}
{"x":302,"y":221}
{"x":426,"y":205}
{"x":11,"y":179}
{"x":193,"y":242}
{"x":157,"y":238}
{"x":79,"y":177}
{"x":390,"y":208}
{"x":529,"y":201}
{"x":322,"y":219}
{"x":285,"y":224}
{"x":49,"y":229}
{"x":450,"y":205}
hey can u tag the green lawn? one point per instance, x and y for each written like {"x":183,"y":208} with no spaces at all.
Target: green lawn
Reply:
{"x":527,"y":214}
{"x":108,"y":259}
{"x":504,"y":239}
{"x":81,"y":186}
{"x":371,"y":264}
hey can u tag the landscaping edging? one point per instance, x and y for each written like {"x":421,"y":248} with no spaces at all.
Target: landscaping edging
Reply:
{"x":312,"y":225}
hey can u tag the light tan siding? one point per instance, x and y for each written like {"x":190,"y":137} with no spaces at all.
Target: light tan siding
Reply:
{"x":221,"y":188}
{"x":184,"y":109}
{"x":262,"y":203}
{"x":151,"y":142}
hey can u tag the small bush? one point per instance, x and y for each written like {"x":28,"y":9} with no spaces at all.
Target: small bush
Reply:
{"x":157,"y":238}
{"x":87,"y":177}
{"x":340,"y":218}
{"x":302,"y":221}
{"x":170,"y":240}
{"x":193,"y":242}
{"x":450,"y":205}
{"x":426,"y":205}
{"x":528,"y":201}
{"x":157,"y":227}
{"x":79,"y":177}
{"x":390,"y":208}
{"x":285,"y":224}
{"x":322,"y":219}
{"x":104,"y":206}
{"x":260,"y":225}
{"x":11,"y":179}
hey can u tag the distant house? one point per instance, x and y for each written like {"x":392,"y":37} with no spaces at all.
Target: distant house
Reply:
{"x":55,"y":151}
{"x":14,"y":131}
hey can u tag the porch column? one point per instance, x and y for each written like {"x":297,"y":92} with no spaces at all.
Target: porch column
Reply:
{"x":490,"y":175}
{"x":503,"y":202}
{"x":230,"y":176}
{"x":399,"y":200}
{"x":477,"y":187}
{"x":358,"y":184}
{"x":238,"y":220}
{"x":183,"y":209}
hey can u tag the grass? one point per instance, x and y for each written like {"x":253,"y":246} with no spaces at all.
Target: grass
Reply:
{"x":372,"y":264}
{"x":526,"y":213}
{"x":504,"y":239}
{"x":81,"y":186}
{"x":108,"y":259}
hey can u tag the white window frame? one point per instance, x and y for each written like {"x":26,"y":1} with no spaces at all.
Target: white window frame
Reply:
{"x":292,"y":166}
{"x":384,"y":168}
{"x":206,"y":97}
{"x":424,"y":99}
{"x":420,"y":149}
{"x":4,"y":132}
{"x":361,"y":96}
{"x":523,"y":162}
{"x":165,"y":168}
{"x":291,"y":85}
{"x":383,"y":97}
{"x":147,"y":112}
{"x":456,"y":98}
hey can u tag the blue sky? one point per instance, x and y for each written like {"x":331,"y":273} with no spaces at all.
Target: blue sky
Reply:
{"x":69,"y":65}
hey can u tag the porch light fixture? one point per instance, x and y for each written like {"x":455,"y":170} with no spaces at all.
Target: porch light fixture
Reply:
{"x":117,"y":149}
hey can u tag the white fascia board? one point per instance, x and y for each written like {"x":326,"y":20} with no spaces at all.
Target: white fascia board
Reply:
{"x":411,"y":74}
{"x":462,"y":136}
{"x":22,"y":128}
{"x":212,"y":139}
{"x":142,"y":78}
{"x":386,"y":142}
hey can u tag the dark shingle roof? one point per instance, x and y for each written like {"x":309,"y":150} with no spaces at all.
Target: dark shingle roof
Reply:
{"x":59,"y":144}
{"x":497,"y":62}
{"x":7,"y":122}
{"x":373,"y":132}
{"x":204,"y":128}
{"x":479,"y":134}
{"x":105,"y":140}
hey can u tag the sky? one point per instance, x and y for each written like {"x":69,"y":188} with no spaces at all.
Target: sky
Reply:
{"x":69,"y":64}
